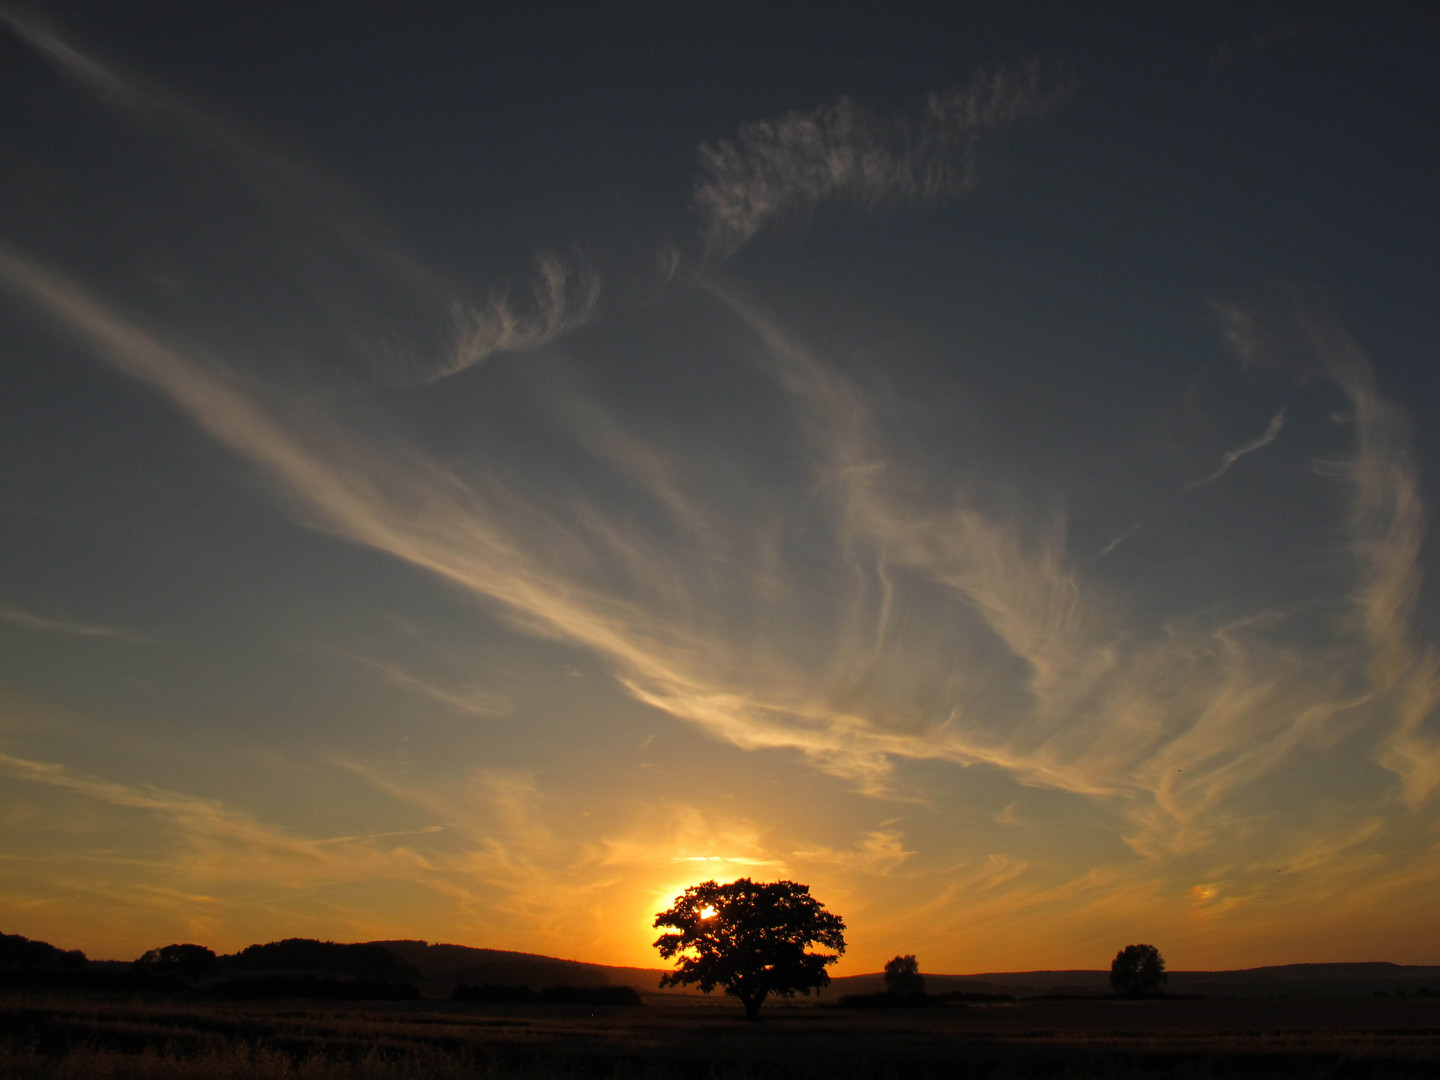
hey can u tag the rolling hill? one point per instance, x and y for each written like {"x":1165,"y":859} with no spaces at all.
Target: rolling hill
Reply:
{"x":460,"y":963}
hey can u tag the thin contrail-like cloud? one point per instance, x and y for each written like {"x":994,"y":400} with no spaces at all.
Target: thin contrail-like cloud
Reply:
{"x":1230,"y":457}
{"x":1113,"y":544}
{"x":472,"y":700}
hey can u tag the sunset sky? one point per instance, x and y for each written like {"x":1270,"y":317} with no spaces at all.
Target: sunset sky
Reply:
{"x":469,"y":471}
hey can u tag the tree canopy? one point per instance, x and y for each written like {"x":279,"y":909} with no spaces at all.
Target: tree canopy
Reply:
{"x":902,"y":976}
{"x":1137,"y":971}
{"x":186,"y":960}
{"x":18,"y":951}
{"x":751,"y":939}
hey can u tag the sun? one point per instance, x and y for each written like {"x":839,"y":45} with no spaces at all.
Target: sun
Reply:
{"x":707,"y":912}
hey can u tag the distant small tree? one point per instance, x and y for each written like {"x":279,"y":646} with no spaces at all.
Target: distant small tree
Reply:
{"x":750,"y":937}
{"x":187,"y":961}
{"x":902,"y":976}
{"x":1138,"y":971}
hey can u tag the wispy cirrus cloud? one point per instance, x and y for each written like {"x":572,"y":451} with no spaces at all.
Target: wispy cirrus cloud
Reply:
{"x":1384,"y":521}
{"x":355,"y":289}
{"x":878,"y":851}
{"x":1177,"y":725}
{"x":30,"y":621}
{"x":752,"y":528}
{"x":218,"y":842}
{"x":224,"y":867}
{"x":1387,"y":529}
{"x":784,"y":167}
{"x":938,"y":624}
{"x":469,"y":699}
{"x":497,"y":864}
{"x":1186,"y":717}
{"x":41,"y":36}
{"x":482,"y":539}
{"x":564,"y":296}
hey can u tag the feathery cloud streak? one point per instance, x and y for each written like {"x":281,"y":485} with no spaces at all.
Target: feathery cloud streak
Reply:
{"x":486,"y":541}
{"x":565,"y":297}
{"x":1107,"y":713}
{"x":1182,"y":719}
{"x":1385,"y":521}
{"x":787,"y":165}
{"x":213,"y":833}
{"x":63,"y":626}
{"x":345,"y":272}
{"x":471,"y":700}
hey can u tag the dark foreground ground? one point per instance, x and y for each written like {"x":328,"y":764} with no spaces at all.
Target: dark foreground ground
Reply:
{"x":700,"y":1039}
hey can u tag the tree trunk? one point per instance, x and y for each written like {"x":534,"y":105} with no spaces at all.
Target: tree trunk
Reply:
{"x":752,"y":1004}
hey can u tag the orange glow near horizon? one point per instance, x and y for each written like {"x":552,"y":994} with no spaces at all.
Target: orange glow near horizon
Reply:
{"x":1000,"y":926}
{"x":231,"y":880}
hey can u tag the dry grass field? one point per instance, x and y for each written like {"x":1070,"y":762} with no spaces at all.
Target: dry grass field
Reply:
{"x":706,"y":1039}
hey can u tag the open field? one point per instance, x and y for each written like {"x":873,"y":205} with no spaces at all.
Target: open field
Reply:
{"x":697,"y":1038}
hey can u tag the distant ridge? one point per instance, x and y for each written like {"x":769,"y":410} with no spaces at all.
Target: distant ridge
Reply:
{"x":442,"y":966}
{"x":462,"y":963}
{"x":1304,"y":980}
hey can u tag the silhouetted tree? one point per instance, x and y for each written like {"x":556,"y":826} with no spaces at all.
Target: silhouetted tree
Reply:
{"x":188,"y":961}
{"x":17,"y":951}
{"x":750,"y":938}
{"x":1137,"y":971}
{"x":902,"y":976}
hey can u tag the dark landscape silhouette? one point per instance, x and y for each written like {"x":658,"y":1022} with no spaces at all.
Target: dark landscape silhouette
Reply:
{"x":522,"y":1015}
{"x":25,"y":962}
{"x":299,"y":1007}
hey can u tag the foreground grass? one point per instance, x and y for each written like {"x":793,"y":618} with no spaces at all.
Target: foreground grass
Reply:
{"x":107,"y":1040}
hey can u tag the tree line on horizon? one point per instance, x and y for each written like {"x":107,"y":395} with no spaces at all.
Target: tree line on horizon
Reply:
{"x":291,"y":968}
{"x":751,"y":939}
{"x":294,"y":967}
